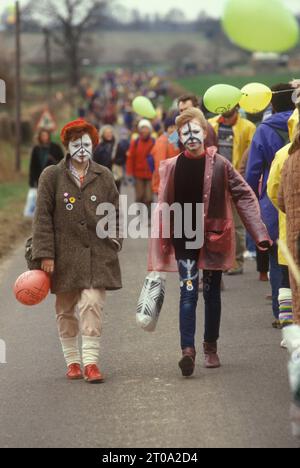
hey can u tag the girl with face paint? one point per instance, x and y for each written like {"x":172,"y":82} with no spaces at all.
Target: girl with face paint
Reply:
{"x":204,"y":185}
{"x":82,"y":266}
{"x":192,"y":135}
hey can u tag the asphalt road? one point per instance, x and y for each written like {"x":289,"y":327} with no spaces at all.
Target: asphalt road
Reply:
{"x":145,"y":401}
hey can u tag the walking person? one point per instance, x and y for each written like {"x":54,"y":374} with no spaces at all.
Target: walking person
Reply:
{"x":140,"y":163}
{"x":187,"y":101}
{"x":66,"y":240}
{"x":44,"y":154}
{"x":234,"y":138}
{"x":201,"y":176}
{"x":163,"y":150}
{"x":109,"y":153}
{"x":270,"y":137}
{"x":285,"y":293}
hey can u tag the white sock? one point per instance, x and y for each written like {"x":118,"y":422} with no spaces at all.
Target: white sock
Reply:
{"x":295,"y":418}
{"x":292,"y":337}
{"x":71,"y":350}
{"x":90,"y":350}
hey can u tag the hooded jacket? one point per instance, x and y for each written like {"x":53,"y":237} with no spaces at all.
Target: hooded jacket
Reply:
{"x":137,"y":161}
{"x":267,"y":141}
{"x":275,"y":179}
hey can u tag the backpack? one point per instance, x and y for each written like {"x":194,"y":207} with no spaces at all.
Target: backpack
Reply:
{"x":283,"y":134}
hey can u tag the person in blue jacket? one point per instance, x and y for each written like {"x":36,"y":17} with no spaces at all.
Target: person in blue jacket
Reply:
{"x":269,"y":138}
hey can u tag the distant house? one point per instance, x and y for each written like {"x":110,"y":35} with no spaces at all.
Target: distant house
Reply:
{"x":267,"y":60}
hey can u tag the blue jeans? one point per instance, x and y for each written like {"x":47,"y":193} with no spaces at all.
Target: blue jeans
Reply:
{"x":189,"y":295}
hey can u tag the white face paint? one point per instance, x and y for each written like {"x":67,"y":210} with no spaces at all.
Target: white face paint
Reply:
{"x":192,"y":135}
{"x":81,"y":150}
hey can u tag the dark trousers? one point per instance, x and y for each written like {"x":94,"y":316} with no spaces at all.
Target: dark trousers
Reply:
{"x":189,"y":295}
{"x":279,"y":277}
{"x":263,"y":261}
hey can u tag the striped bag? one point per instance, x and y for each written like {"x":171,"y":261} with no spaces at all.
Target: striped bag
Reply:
{"x":151,"y":301}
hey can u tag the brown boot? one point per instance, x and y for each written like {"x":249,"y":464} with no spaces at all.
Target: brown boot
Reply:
{"x":212,"y":360}
{"x":187,"y":363}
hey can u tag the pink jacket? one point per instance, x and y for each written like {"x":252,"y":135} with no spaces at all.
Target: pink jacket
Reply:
{"x":223,"y":185}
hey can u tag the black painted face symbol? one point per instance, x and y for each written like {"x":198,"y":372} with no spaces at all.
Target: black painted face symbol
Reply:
{"x":192,"y":134}
{"x":81,"y":150}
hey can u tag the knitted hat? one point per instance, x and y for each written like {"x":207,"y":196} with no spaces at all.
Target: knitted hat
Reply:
{"x":145,"y":123}
{"x":78,"y":126}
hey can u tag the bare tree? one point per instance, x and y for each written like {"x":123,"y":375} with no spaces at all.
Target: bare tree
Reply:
{"x":175,"y":16}
{"x":70,"y":22}
{"x":181,"y":53}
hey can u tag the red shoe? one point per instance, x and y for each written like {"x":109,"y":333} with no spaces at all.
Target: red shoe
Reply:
{"x":74,"y":372}
{"x":212,"y":360}
{"x":93,"y":375}
{"x":264,"y":277}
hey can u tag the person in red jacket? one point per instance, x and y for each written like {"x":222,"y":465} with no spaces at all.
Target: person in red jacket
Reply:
{"x":163,"y":150}
{"x":204,"y":180}
{"x":140,"y":163}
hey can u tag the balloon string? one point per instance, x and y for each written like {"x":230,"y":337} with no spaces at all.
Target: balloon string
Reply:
{"x":284,"y":91}
{"x":275,"y":92}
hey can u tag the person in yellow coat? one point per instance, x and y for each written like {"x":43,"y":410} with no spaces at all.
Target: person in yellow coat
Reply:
{"x":235,"y":135}
{"x":285,"y":294}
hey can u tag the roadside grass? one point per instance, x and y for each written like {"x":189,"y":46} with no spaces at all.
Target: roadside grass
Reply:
{"x":200,"y":84}
{"x":12,"y":191}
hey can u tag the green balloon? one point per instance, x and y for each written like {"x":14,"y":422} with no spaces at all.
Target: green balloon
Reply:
{"x":260,"y":25}
{"x":144,"y":107}
{"x":221,"y":98}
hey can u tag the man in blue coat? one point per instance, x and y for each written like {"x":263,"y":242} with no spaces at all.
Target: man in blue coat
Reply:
{"x":269,"y":138}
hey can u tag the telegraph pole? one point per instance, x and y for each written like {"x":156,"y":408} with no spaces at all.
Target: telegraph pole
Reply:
{"x":48,"y":63}
{"x":18,"y":87}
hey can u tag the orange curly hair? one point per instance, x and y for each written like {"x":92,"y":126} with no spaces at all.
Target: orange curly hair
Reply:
{"x":76,"y":129}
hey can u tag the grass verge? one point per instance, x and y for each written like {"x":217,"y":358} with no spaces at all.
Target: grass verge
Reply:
{"x":200,"y":84}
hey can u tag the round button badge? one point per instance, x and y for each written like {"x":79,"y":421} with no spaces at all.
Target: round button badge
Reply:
{"x":70,"y":207}
{"x":94,"y":198}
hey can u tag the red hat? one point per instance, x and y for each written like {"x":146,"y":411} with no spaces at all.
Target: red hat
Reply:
{"x":79,"y":125}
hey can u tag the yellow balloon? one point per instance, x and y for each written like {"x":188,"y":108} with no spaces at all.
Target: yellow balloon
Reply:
{"x":256,"y":98}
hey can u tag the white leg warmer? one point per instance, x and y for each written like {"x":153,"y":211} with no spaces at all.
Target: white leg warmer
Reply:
{"x":292,"y":337}
{"x":71,"y":350}
{"x":90,"y":350}
{"x":285,"y":307}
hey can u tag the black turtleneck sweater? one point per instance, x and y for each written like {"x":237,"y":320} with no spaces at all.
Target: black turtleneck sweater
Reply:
{"x":189,"y":182}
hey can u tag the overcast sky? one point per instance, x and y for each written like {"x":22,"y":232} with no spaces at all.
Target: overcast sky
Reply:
{"x":190,"y":7}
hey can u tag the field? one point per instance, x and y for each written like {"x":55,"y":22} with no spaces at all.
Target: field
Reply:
{"x":200,"y":84}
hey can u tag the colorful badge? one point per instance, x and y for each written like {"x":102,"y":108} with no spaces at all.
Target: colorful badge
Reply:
{"x":69,"y":207}
{"x":190,"y":286}
{"x":72,"y":200}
